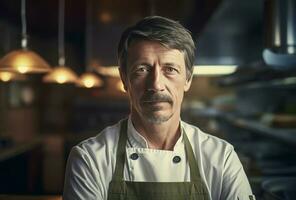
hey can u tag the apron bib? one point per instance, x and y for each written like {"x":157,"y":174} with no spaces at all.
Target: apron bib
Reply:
{"x":130,"y":190}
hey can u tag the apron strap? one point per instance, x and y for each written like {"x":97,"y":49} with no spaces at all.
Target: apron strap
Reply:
{"x":120,"y":154}
{"x":194,"y":169}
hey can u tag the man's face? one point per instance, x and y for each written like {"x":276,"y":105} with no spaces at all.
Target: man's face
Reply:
{"x":155,"y":81}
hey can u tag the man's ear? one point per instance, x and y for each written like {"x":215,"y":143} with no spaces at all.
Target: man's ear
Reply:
{"x":123,"y":78}
{"x":188,"y":84}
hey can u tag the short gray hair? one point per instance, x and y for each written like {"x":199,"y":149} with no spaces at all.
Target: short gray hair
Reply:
{"x":167,"y":32}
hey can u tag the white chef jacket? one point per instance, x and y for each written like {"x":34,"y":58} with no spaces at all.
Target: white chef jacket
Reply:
{"x":91,"y":164}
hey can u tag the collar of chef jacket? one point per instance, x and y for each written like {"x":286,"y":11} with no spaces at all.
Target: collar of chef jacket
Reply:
{"x":136,"y":140}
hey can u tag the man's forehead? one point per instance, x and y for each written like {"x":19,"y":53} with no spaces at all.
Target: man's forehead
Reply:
{"x":140,"y":47}
{"x":137,"y":41}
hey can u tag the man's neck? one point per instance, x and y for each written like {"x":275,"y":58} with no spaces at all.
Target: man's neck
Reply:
{"x":158,"y":136}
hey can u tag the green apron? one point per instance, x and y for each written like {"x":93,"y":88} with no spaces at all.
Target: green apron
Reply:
{"x":128,"y":190}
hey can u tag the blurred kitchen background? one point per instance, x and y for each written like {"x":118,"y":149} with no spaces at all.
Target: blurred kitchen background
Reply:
{"x":59,"y":84}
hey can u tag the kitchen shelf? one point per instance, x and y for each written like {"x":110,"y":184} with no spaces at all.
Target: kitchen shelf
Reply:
{"x":258,"y":75}
{"x":285,"y":83}
{"x":286,"y":135}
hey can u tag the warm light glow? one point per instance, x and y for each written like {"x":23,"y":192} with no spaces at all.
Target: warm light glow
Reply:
{"x":10,"y":76}
{"x":89,"y":80}
{"x":89,"y":83}
{"x":61,"y":75}
{"x":108,"y":71}
{"x":204,"y":70}
{"x":61,"y":78}
{"x":105,"y":17}
{"x":5,"y":76}
{"x":120,"y":86}
{"x":213,"y":70}
{"x":22,"y":69}
{"x":24,"y":61}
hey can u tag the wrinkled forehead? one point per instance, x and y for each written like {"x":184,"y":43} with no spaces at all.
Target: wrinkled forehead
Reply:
{"x":146,"y":50}
{"x":138,"y":39}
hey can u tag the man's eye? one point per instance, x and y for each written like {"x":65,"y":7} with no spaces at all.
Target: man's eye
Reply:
{"x":171,"y":70}
{"x":141,"y":69}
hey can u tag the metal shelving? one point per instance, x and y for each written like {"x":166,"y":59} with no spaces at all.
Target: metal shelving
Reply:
{"x":286,"y":135}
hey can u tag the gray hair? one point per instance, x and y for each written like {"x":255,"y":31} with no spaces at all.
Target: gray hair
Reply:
{"x":167,"y":32}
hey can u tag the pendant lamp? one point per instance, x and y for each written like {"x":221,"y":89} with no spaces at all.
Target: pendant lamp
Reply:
{"x":61,"y":74}
{"x":89,"y":79}
{"x":23,"y":60}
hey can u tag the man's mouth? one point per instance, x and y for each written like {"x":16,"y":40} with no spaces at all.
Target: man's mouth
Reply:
{"x":154,"y":102}
{"x":156,"y":99}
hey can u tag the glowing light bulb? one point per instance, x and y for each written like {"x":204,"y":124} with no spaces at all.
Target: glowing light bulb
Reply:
{"x":22,"y":69}
{"x":88,"y":82}
{"x":5,"y":76}
{"x":61,"y":78}
{"x":22,"y":64}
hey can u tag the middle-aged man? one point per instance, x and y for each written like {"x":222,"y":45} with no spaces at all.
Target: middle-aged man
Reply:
{"x":153,"y":154}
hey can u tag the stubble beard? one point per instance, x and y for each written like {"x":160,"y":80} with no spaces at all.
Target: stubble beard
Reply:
{"x":151,"y":112}
{"x":153,"y":118}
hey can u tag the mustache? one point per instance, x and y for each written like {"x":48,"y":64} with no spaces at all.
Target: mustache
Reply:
{"x":156,"y":97}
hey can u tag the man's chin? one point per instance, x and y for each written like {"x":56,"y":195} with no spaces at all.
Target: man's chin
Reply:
{"x":157,"y":119}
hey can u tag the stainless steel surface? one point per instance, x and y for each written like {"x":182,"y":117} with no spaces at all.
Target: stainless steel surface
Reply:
{"x":280,"y":25}
{"x":280,"y":33}
{"x":233,"y":35}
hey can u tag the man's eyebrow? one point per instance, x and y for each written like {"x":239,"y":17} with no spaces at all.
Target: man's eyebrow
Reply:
{"x":141,"y":63}
{"x":136,"y":64}
{"x":172,"y":64}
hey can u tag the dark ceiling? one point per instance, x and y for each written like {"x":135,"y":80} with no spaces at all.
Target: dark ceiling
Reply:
{"x":109,"y":18}
{"x":42,"y":15}
{"x":231,"y":25}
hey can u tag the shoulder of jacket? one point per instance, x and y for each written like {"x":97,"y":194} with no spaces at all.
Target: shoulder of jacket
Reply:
{"x":106,"y":140}
{"x":205,"y":139}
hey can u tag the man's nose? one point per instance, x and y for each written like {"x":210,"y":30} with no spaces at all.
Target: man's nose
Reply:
{"x":156,"y":80}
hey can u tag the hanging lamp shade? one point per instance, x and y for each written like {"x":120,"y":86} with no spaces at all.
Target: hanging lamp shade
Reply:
{"x":24,"y":61}
{"x":89,"y":80}
{"x":61,"y":75}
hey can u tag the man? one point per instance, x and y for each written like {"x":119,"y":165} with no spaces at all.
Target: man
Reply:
{"x":153,"y":154}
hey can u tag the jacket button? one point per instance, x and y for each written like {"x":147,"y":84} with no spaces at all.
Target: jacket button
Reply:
{"x":176,"y":159}
{"x":134,"y":156}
